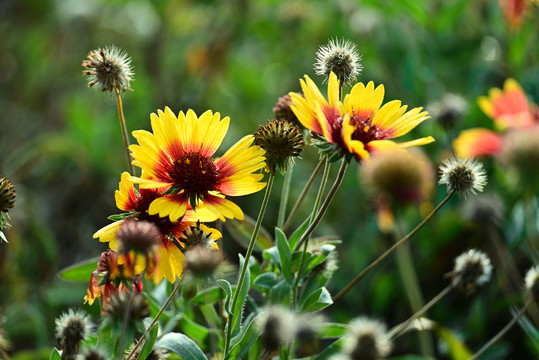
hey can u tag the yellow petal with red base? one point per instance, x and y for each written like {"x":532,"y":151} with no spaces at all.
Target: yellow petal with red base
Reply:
{"x":223,"y":208}
{"x":173,"y":206}
{"x":108,"y":234}
{"x":242,"y":185}
{"x":170,"y":264}
{"x":126,"y":195}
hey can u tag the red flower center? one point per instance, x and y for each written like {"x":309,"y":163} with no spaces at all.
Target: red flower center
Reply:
{"x":364,"y":130}
{"x":165,"y":226}
{"x":194,"y":173}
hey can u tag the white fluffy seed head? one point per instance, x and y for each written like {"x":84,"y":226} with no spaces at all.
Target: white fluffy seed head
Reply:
{"x":472,"y":268}
{"x":110,"y":68}
{"x":72,"y":327}
{"x":277,"y":327}
{"x":463,"y":176}
{"x":532,"y":282}
{"x":340,"y":57}
{"x":367,"y":339}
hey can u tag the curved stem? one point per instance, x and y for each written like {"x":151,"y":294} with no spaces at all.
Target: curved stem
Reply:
{"x":394,"y":333}
{"x":284,"y":197}
{"x":502,"y":332}
{"x":382,"y":257}
{"x":302,"y":195}
{"x":124,"y":129}
{"x":141,"y":340}
{"x":246,"y":261}
{"x":325,"y":205}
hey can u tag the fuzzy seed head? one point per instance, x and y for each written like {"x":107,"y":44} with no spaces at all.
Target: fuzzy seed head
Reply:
{"x":472,"y":268}
{"x":330,"y":264}
{"x":282,"y":142}
{"x":199,"y":235}
{"x":139,"y":236}
{"x":367,"y":339}
{"x":449,"y":110}
{"x":135,"y":302}
{"x":110,"y":68}
{"x":531,"y":282}
{"x":277,"y":326}
{"x":463,"y":176}
{"x":484,"y":209}
{"x":7,"y":195}
{"x":157,"y":353}
{"x":93,"y":354}
{"x":71,"y":328}
{"x":203,"y":262}
{"x":340,"y":57}
{"x":283,"y":111}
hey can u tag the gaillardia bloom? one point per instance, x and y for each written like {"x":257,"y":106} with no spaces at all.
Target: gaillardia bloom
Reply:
{"x":359,"y":125}
{"x":177,"y":159}
{"x":171,"y":259}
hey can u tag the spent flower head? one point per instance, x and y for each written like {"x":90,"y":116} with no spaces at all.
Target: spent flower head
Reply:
{"x":139,"y":236}
{"x":110,"y":68}
{"x":203,"y":262}
{"x":472,"y":268}
{"x":71,"y":328}
{"x":199,"y":234}
{"x":339,"y":57}
{"x":484,"y":209}
{"x":367,"y":339}
{"x":119,"y":302}
{"x":531,"y":282}
{"x":463,"y":176}
{"x":282,"y":142}
{"x":282,"y":110}
{"x":448,"y":110}
{"x":93,"y":354}
{"x":7,"y":195}
{"x":277,"y":326}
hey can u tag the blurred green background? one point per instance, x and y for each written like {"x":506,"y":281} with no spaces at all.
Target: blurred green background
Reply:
{"x":61,"y":145}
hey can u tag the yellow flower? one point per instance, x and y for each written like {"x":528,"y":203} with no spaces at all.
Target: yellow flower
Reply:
{"x":359,"y":125}
{"x":177,"y":158}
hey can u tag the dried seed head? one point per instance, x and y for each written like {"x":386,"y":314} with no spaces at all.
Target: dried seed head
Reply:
{"x":277,"y":326}
{"x":532,"y":283}
{"x":306,"y":340}
{"x":464,"y":176}
{"x":283,"y":111}
{"x":93,"y":354}
{"x":472,"y":268}
{"x":330,"y":264}
{"x":203,"y":262}
{"x":448,"y":110}
{"x":139,"y":236}
{"x":282,"y":141}
{"x":7,"y":195}
{"x":135,"y":302}
{"x":157,"y":353}
{"x":71,"y":328}
{"x":199,"y":235}
{"x":367,"y":339}
{"x":406,"y":177}
{"x":484,"y":209}
{"x":340,"y":57}
{"x":110,"y":68}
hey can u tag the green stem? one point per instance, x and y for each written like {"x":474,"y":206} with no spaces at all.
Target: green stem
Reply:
{"x":284,"y":197}
{"x":141,"y":340}
{"x":502,"y":332}
{"x":246,"y":261}
{"x":303,"y":194}
{"x":124,"y":130}
{"x":388,"y":252}
{"x":325,"y":205}
{"x":394,"y":333}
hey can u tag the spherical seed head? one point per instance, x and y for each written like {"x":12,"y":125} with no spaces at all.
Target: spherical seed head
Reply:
{"x":7,"y":195}
{"x":463,"y":176}
{"x":367,"y":339}
{"x":110,"y":68}
{"x":282,"y":142}
{"x":199,"y":235}
{"x":202,"y":262}
{"x":531,"y":282}
{"x":406,"y":177}
{"x":340,"y":57}
{"x":71,"y":328}
{"x":139,"y":236}
{"x":484,"y":209}
{"x":115,"y":307}
{"x":277,"y":326}
{"x":93,"y":354}
{"x":306,"y":340}
{"x":448,"y":110}
{"x":157,"y":353}
{"x":472,"y":268}
{"x":520,"y":152}
{"x":283,"y":111}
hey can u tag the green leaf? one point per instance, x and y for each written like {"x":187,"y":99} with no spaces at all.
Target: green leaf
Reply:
{"x":243,"y":341}
{"x":285,"y":255}
{"x":80,"y":271}
{"x":208,"y":296}
{"x":55,"y":355}
{"x":149,"y":342}
{"x":457,"y":349}
{"x":195,"y":331}
{"x":266,"y":280}
{"x":318,"y":300}
{"x":330,"y":330}
{"x":241,"y":231}
{"x":297,"y":234}
{"x":272,"y":254}
{"x":332,"y":349}
{"x":180,"y":344}
{"x":313,"y":284}
{"x":225,"y":285}
{"x":280,"y":294}
{"x":318,"y":259}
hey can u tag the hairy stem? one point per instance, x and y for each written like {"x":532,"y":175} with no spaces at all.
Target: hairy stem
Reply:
{"x":284,"y":197}
{"x":124,"y":129}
